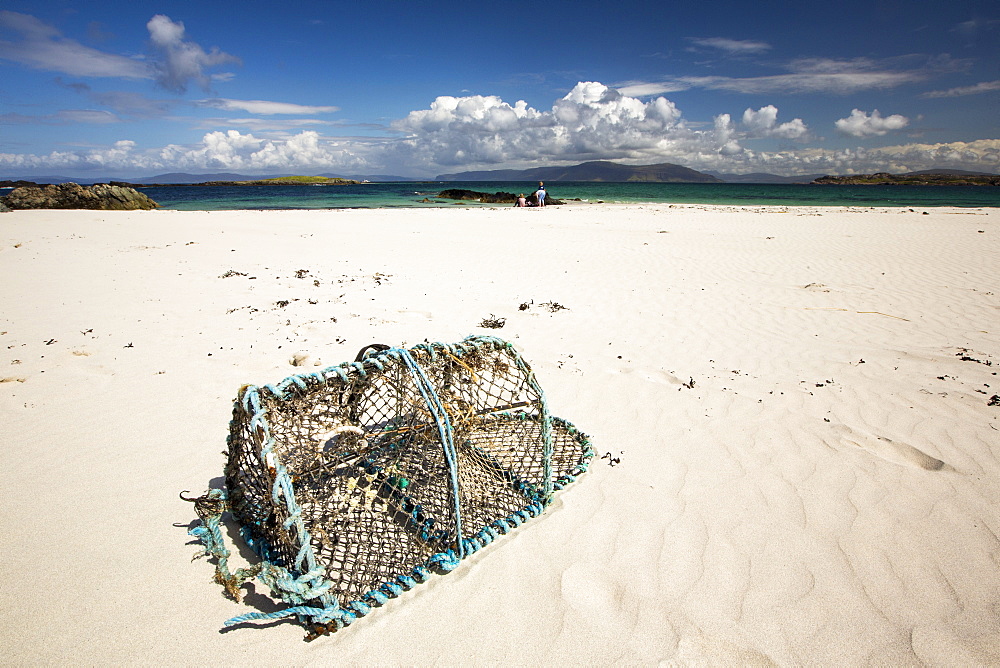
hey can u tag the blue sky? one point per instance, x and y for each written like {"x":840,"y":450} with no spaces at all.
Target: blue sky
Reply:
{"x":416,"y":88}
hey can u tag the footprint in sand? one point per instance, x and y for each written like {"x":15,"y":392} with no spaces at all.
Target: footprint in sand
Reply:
{"x":890,"y":450}
{"x":589,"y":591}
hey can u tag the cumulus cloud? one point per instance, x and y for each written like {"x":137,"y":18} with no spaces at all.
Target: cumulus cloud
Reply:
{"x":764,"y":123}
{"x":725,"y":135}
{"x":307,"y":151}
{"x":181,"y":61}
{"x":265,"y":107}
{"x":733,"y":46}
{"x":42,"y":47}
{"x":119,"y":155}
{"x":592,"y":121}
{"x":861,"y":124}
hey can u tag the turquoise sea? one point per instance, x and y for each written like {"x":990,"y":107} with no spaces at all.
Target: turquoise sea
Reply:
{"x":412,"y":194}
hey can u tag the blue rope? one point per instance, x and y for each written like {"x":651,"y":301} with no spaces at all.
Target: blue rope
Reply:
{"x":445,"y":431}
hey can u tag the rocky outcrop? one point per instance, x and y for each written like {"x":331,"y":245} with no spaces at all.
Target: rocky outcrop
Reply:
{"x":3,"y":208}
{"x":491,"y":198}
{"x":73,"y":196}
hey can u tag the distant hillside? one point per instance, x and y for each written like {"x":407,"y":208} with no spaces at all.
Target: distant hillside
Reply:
{"x":599,"y":171}
{"x":761,"y":177}
{"x":49,"y":178}
{"x":926,"y":178}
{"x":184,"y":178}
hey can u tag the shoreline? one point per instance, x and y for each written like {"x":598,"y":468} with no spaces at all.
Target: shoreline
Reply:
{"x":796,"y":452}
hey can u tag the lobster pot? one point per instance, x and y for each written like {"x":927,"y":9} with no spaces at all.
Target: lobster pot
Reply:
{"x":356,"y":482}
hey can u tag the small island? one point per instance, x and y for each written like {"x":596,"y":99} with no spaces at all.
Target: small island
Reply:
{"x":286,"y":181}
{"x":278,"y":181}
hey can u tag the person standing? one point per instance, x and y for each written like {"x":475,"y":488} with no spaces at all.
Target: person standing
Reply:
{"x":540,"y":193}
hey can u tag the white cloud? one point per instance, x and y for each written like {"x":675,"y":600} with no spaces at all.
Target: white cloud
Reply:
{"x":182,"y":61}
{"x":265,"y":107}
{"x":590,"y":122}
{"x":97,"y":116}
{"x":64,"y":117}
{"x":981,"y":87}
{"x":119,"y":155}
{"x":261,"y":124}
{"x":725,"y":133}
{"x":861,"y":124}
{"x":733,"y":46}
{"x":764,"y":123}
{"x":43,"y":47}
{"x":645,"y":89}
{"x":231,"y":150}
{"x":810,"y":75}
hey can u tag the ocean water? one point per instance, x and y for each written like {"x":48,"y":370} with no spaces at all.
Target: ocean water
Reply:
{"x":414,"y":194}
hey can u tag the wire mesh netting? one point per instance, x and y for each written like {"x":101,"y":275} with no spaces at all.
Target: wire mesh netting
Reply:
{"x":355,"y":482}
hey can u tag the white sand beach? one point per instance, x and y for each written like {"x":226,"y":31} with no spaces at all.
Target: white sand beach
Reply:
{"x":797,"y":459}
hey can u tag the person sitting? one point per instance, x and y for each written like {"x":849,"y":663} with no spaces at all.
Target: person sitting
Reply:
{"x":521,"y":200}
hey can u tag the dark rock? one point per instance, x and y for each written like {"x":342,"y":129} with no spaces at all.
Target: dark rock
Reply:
{"x":3,"y":208}
{"x":16,"y":184}
{"x":492,"y":198}
{"x":73,"y":196}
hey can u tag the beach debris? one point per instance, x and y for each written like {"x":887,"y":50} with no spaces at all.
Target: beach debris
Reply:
{"x":690,"y":384}
{"x":963,"y":355}
{"x":612,"y":461}
{"x":232,"y":272}
{"x":493,"y":322}
{"x":554,"y":307}
{"x":994,"y":400}
{"x":358,"y":482}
